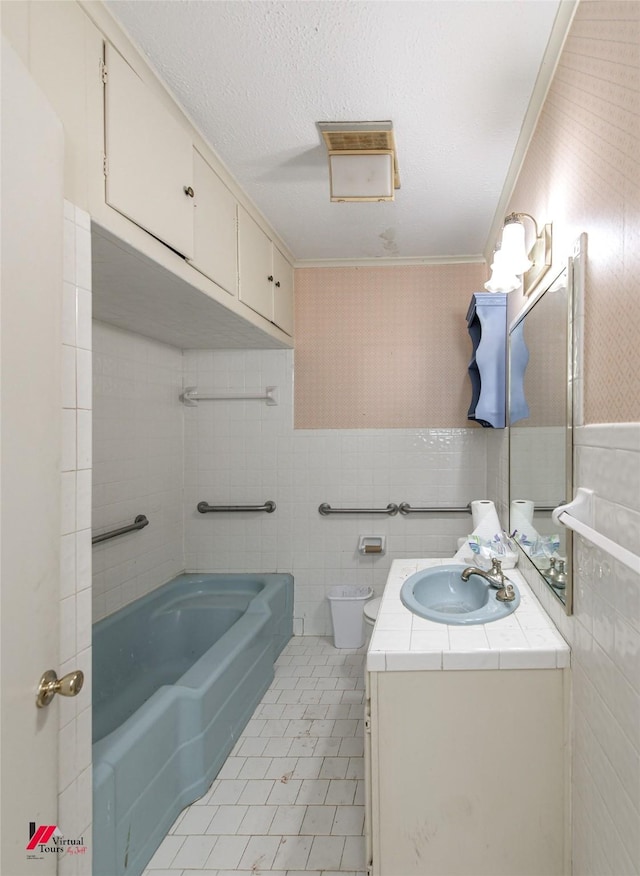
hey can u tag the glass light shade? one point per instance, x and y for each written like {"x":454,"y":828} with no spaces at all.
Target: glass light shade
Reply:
{"x":514,"y":253}
{"x":502,"y":278}
{"x":361,"y":176}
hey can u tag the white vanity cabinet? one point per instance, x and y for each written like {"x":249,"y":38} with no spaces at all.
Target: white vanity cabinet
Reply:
{"x":466,"y":742}
{"x":265,"y":276}
{"x":148,"y":158}
{"x":466,"y":773}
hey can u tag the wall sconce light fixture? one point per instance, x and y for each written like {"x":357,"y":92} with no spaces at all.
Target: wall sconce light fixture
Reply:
{"x":363,"y":165}
{"x":502,"y":279}
{"x":512,"y":259}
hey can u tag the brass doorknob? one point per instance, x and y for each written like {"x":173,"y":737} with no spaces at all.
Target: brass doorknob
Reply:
{"x":189,"y":192}
{"x":69,"y":685}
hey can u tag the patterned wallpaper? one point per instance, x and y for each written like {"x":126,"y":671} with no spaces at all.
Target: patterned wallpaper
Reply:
{"x":582,"y":172}
{"x":383,"y":347}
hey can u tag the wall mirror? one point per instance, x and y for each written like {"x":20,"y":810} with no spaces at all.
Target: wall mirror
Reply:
{"x":540,"y":441}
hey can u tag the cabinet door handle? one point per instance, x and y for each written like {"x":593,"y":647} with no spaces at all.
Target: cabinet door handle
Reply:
{"x":189,"y":192}
{"x":270,"y":278}
{"x":278,"y":283}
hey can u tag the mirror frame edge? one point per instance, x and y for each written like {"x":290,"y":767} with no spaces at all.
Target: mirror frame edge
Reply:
{"x":573,"y":298}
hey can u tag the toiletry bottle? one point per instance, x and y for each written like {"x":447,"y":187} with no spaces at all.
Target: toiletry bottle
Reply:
{"x":552,"y":573}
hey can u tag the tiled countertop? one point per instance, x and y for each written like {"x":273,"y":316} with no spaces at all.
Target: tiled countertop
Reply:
{"x":526,"y":639}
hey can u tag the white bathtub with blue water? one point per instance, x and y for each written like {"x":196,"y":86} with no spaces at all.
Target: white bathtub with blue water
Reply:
{"x":176,"y":676}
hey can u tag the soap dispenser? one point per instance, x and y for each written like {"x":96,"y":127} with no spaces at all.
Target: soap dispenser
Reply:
{"x":552,"y":573}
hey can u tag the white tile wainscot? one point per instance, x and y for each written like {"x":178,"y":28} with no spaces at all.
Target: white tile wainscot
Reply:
{"x":491,"y":746}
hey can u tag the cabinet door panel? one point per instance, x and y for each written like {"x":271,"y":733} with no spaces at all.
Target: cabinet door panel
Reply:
{"x":254,"y":265}
{"x":149,"y":157}
{"x":283,"y":292}
{"x":215,"y":235}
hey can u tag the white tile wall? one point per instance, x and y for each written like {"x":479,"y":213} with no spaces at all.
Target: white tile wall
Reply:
{"x":74,"y":741}
{"x":138,"y":464}
{"x":541,"y":450}
{"x":240,"y":452}
{"x":604,"y":634}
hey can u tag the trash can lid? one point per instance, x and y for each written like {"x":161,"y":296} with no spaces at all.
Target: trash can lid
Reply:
{"x":371,"y":608}
{"x":350,"y":591}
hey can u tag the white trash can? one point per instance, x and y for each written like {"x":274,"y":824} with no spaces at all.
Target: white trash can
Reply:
{"x":347,"y":603}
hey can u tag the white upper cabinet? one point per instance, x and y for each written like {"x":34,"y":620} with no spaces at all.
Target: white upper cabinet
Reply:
{"x":266,"y":277}
{"x":215,"y":232}
{"x":255,"y":266}
{"x":149,"y":158}
{"x":282,"y":292}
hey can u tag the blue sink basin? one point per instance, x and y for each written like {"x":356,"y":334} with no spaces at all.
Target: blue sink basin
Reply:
{"x":439,"y":594}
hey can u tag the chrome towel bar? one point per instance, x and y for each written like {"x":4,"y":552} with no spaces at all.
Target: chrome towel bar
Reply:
{"x":205,"y":508}
{"x":325,"y":509}
{"x":405,"y":508}
{"x":579,"y":515}
{"x":190,"y":396}
{"x":139,"y":523}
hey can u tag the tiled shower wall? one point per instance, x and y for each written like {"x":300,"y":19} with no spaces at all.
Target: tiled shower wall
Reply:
{"x":74,"y":738}
{"x":138,"y":465}
{"x":239,"y":452}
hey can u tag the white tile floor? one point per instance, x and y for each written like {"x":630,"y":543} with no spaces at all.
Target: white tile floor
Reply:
{"x":290,"y":798}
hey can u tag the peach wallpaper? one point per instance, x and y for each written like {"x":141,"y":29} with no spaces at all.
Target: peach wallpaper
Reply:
{"x":582,"y":172}
{"x":383,"y":347}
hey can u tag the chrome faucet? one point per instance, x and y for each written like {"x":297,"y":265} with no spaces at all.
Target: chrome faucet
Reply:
{"x":495,"y":577}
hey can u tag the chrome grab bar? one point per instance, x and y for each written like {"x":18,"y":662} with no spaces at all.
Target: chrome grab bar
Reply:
{"x":325,"y":509}
{"x":205,"y":508}
{"x":405,"y":508}
{"x":139,"y":523}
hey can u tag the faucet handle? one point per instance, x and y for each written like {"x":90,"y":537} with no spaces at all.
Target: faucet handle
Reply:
{"x":496,"y":566}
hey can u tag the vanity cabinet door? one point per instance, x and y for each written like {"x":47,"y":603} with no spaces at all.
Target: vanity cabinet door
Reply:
{"x":255,"y":266}
{"x":149,"y":161}
{"x":215,"y":231}
{"x":453,"y":790}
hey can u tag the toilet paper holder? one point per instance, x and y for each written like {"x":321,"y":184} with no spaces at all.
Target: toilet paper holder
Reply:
{"x":372,"y":544}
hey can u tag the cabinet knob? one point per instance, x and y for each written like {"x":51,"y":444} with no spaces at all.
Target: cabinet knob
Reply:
{"x":189,"y":192}
{"x":278,"y":283}
{"x":270,"y":278}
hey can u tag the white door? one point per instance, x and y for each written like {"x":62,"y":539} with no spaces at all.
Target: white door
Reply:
{"x":30,"y":404}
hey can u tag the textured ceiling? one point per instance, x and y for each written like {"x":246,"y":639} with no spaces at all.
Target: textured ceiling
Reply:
{"x":454,"y":76}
